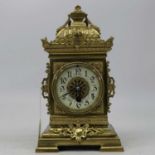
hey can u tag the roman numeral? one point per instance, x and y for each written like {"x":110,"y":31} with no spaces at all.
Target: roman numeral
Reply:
{"x":69,"y":74}
{"x":95,"y":88}
{"x":92,"y":79}
{"x":78,"y":105}
{"x":85,"y":73}
{"x":86,"y":102}
{"x":77,"y":71}
{"x":92,"y":96}
{"x":62,"y":88}
{"x":63,"y":80}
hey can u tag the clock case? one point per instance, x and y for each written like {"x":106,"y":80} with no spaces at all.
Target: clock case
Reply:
{"x":78,"y":41}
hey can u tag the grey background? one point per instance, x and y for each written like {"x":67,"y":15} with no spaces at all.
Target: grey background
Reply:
{"x":22,"y":63}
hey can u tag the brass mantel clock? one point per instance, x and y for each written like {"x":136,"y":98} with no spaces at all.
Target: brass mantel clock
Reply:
{"x":78,"y":88}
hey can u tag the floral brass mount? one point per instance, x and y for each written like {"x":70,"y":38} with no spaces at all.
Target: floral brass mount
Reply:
{"x":44,"y":88}
{"x":44,"y":83}
{"x":79,"y":132}
{"x":111,"y":86}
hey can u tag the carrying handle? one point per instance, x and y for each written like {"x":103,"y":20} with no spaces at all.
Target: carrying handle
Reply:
{"x":44,"y":88}
{"x":111,"y":87}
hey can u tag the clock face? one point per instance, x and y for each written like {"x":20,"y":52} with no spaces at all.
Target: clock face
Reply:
{"x":78,"y":87}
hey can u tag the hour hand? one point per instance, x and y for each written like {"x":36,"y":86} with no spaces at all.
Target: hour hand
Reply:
{"x":78,"y":96}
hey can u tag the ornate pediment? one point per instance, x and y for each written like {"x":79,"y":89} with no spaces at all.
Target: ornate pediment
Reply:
{"x":78,"y":32}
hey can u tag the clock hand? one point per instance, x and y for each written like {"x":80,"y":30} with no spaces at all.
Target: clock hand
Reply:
{"x":64,"y":94}
{"x":78,"y":97}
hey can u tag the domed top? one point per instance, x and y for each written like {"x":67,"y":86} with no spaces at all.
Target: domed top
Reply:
{"x":77,"y":32}
{"x":78,"y":24}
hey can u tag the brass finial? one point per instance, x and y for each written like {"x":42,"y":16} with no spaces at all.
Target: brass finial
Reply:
{"x":78,"y":8}
{"x":78,"y":14}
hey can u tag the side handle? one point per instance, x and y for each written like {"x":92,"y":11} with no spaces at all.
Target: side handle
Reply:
{"x":111,"y":87}
{"x":44,"y":88}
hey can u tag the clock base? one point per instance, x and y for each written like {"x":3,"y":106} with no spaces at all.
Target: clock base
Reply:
{"x":79,"y":137}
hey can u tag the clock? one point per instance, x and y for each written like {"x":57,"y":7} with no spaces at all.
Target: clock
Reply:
{"x":77,"y":88}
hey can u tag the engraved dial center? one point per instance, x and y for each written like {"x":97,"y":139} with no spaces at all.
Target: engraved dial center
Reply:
{"x":78,"y":88}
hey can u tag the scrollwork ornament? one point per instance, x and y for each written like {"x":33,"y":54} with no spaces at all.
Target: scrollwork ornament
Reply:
{"x":111,"y":87}
{"x":78,"y":132}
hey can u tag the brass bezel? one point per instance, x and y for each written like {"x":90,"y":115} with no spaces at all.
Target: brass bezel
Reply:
{"x":98,"y":100}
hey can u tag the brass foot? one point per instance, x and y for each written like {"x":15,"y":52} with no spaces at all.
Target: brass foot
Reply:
{"x":47,"y":149}
{"x":111,"y":148}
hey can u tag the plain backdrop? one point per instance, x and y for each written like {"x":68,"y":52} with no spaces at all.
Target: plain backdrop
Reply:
{"x":22,"y":64}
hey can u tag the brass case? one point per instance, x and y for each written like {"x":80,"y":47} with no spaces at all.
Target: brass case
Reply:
{"x":78,"y":40}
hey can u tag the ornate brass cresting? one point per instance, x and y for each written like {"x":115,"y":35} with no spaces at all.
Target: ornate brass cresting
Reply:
{"x":78,"y":88}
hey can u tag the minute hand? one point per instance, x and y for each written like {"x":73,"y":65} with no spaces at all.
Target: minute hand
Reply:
{"x":64,"y":94}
